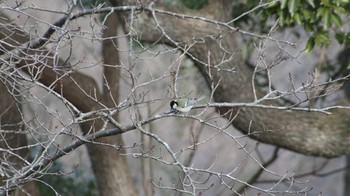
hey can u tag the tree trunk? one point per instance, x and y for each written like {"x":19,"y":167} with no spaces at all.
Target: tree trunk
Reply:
{"x":12,"y":138}
{"x":308,"y":133}
{"x":347,"y":177}
{"x":110,"y":168}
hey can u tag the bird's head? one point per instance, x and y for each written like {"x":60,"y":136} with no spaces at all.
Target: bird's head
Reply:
{"x":173,"y":104}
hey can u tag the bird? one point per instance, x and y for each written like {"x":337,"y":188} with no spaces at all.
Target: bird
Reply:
{"x":183,"y":105}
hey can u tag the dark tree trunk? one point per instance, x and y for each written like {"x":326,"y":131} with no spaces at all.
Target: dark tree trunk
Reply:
{"x":347,"y":177}
{"x":110,"y":168}
{"x":309,"y":133}
{"x":11,"y":138}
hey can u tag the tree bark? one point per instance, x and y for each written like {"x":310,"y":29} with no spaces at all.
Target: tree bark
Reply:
{"x":110,"y":168}
{"x":12,"y":139}
{"x":347,"y":177}
{"x":308,"y":133}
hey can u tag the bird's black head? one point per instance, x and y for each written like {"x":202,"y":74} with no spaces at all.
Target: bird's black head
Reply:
{"x":173,"y":104}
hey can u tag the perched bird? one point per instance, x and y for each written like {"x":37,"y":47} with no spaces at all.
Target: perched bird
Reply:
{"x":184,"y":105}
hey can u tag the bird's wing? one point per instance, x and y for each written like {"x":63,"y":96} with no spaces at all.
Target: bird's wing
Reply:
{"x":185,"y":109}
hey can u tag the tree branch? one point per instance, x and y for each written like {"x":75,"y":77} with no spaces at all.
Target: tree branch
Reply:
{"x":303,"y":132}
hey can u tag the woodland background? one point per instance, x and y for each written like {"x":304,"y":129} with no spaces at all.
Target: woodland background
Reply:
{"x":85,"y":86}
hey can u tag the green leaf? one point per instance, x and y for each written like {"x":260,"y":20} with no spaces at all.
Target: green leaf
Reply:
{"x":312,"y":3}
{"x":308,"y":27}
{"x":335,"y":18}
{"x":282,"y":17}
{"x":292,"y":6}
{"x":340,"y":10}
{"x":273,"y":4}
{"x":313,"y":18}
{"x":325,"y":2}
{"x":322,"y":38}
{"x":347,"y":38}
{"x":307,"y":14}
{"x":337,"y":2}
{"x":320,"y":12}
{"x":310,"y":44}
{"x":283,"y":4}
{"x":298,"y":17}
{"x":340,"y":37}
{"x":326,"y":19}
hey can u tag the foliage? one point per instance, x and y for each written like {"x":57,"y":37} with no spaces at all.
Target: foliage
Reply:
{"x":323,"y":19}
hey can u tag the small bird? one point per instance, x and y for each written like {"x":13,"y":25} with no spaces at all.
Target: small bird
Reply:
{"x":184,"y":105}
